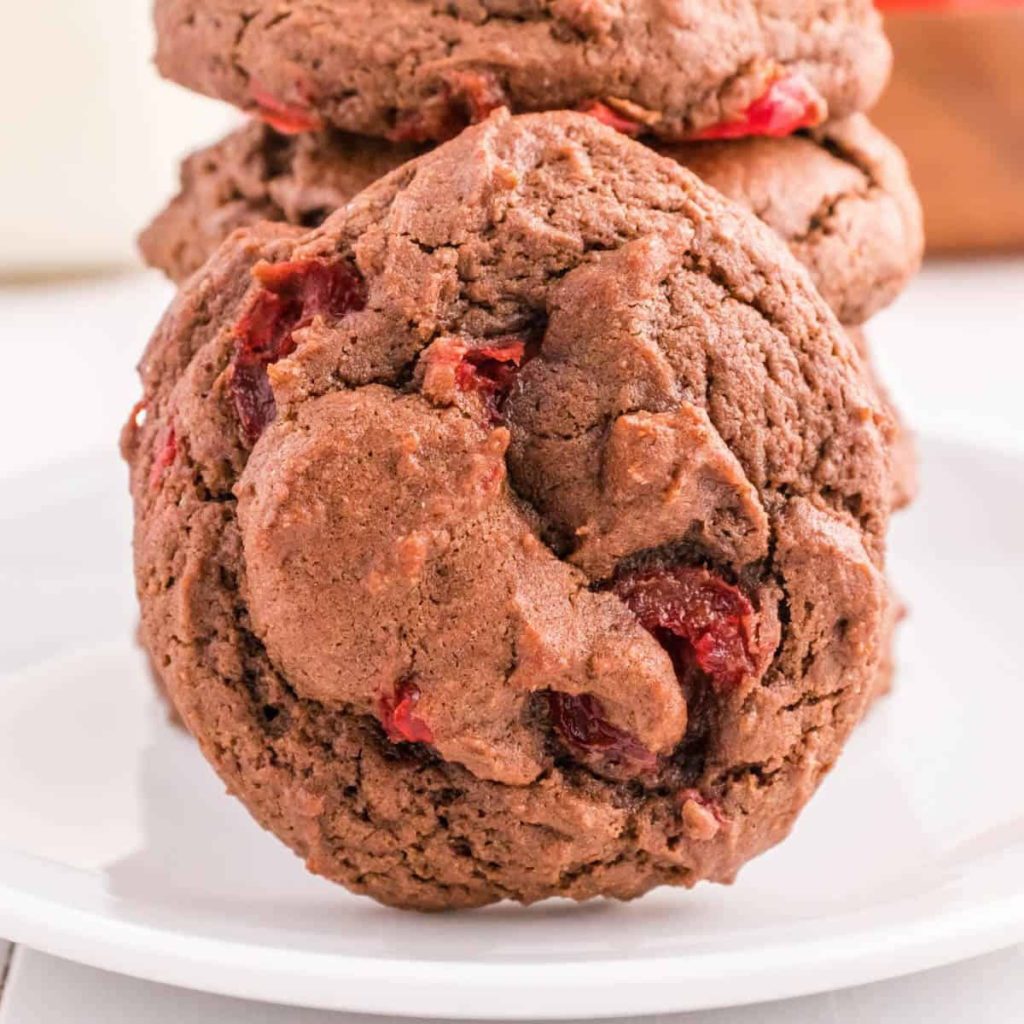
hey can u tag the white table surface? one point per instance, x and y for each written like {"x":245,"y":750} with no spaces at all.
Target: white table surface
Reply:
{"x":952,"y":351}
{"x":41,"y":990}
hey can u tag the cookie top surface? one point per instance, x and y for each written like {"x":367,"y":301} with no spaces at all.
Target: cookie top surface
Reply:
{"x":421,"y":69}
{"x":536,"y":490}
{"x":841,"y":198}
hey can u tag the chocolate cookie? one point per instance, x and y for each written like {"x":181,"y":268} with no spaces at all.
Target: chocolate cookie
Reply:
{"x":518,"y":532}
{"x":903,"y":454}
{"x":255,"y":174}
{"x":884,"y":679}
{"x":841,"y":198}
{"x":417,"y":70}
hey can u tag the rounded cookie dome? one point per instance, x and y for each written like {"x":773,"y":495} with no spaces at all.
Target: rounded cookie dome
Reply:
{"x":519,"y":531}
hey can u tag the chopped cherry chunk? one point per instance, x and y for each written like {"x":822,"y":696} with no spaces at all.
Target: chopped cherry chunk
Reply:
{"x":490,"y":372}
{"x":287,"y":118}
{"x":165,"y":455}
{"x":612,"y":118}
{"x":292,"y":295}
{"x":581,"y":722}
{"x":702,"y":621}
{"x":479,"y":91}
{"x":788,"y":104}
{"x":396,"y":715}
{"x":467,"y":97}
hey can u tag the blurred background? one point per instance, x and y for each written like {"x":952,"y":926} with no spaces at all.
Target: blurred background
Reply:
{"x":92,"y":137}
{"x":956,"y":106}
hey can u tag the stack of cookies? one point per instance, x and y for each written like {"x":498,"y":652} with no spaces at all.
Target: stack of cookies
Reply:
{"x":511,"y":483}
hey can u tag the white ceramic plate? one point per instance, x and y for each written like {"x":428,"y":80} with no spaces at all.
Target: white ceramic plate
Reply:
{"x":117,"y":847}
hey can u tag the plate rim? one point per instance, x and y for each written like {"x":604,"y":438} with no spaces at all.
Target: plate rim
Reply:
{"x":534,"y":990}
{"x":455,"y":989}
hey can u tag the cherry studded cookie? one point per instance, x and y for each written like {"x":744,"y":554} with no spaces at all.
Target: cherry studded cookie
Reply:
{"x":257,"y":173}
{"x":840,"y":197}
{"x":419,"y":70}
{"x":518,"y":532}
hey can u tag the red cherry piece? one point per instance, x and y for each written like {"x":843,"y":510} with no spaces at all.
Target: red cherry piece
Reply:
{"x":396,"y":715}
{"x":287,"y":118}
{"x":703,"y":622}
{"x":478,"y":91}
{"x":491,"y":371}
{"x":467,"y":97}
{"x":612,"y":118}
{"x":581,"y":723}
{"x":291,"y":296}
{"x":166,"y":453}
{"x":788,"y":104}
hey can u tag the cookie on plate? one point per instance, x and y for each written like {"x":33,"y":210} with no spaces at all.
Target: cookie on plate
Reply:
{"x":518,"y":532}
{"x":417,"y":70}
{"x":841,"y":198}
